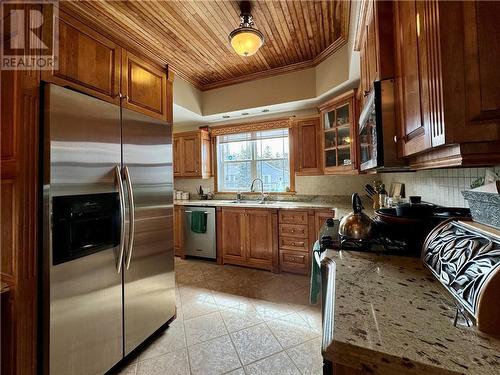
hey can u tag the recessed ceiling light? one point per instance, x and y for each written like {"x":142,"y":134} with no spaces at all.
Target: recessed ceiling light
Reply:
{"x":226,"y":116}
{"x":265,"y":110}
{"x":244,"y":113}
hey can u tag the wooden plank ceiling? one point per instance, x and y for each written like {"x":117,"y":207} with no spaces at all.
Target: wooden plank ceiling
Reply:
{"x":192,"y":36}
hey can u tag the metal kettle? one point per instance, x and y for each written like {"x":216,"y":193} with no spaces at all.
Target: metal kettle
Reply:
{"x":357,"y":225}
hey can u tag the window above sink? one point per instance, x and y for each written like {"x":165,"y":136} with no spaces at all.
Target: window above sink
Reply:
{"x":263,"y":154}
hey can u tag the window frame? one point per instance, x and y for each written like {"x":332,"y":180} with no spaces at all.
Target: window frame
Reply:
{"x":256,"y":126}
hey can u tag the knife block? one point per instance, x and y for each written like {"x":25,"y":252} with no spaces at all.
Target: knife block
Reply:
{"x":465,"y":257}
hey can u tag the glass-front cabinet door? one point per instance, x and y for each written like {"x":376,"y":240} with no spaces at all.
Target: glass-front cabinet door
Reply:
{"x":339,"y":134}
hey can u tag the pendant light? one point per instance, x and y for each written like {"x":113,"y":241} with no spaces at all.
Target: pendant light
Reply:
{"x":246,"y":40}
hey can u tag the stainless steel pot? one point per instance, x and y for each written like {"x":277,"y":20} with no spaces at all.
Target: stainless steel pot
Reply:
{"x":357,"y":225}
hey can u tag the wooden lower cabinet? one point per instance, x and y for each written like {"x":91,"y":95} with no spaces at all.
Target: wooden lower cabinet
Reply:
{"x":249,"y":237}
{"x":276,"y":240}
{"x":298,"y":230}
{"x":233,"y":235}
{"x":178,"y":231}
{"x":295,"y":261}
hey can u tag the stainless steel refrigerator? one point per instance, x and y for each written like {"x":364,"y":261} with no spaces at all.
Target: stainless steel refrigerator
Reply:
{"x":107,"y":254}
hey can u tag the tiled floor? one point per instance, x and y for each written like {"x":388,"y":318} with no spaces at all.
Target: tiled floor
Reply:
{"x":234,"y":320}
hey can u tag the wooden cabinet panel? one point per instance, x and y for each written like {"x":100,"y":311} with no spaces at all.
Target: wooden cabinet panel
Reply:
{"x":293,"y":230}
{"x":292,"y":217}
{"x":482,"y":56}
{"x":144,"y":86}
{"x":178,"y":230}
{"x":446,"y":79}
{"x":249,"y":237}
{"x":297,"y":244}
{"x":371,"y":48}
{"x":177,"y":155}
{"x":308,"y":147}
{"x":259,"y":236}
{"x":295,"y":262}
{"x":192,"y":154}
{"x":88,"y":61}
{"x":477,"y":75}
{"x":294,"y":240}
{"x":206,"y":155}
{"x":408,"y":77}
{"x":233,"y":236}
{"x":374,"y":40}
{"x":19,"y":119}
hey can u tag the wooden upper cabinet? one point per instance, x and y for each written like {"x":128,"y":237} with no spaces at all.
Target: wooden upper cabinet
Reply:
{"x":88,"y":61}
{"x":339,"y":140}
{"x":144,"y":86}
{"x":91,"y":63}
{"x":481,"y":73}
{"x":308,"y":146}
{"x":374,"y":41}
{"x":447,"y":76}
{"x":409,"y":65}
{"x":192,"y":154}
{"x":177,"y":151}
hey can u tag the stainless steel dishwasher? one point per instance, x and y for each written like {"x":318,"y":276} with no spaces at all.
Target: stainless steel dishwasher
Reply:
{"x":200,"y":244}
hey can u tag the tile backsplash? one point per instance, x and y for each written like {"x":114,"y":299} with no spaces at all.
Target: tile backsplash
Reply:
{"x":439,"y":186}
{"x":192,"y":184}
{"x":304,"y":185}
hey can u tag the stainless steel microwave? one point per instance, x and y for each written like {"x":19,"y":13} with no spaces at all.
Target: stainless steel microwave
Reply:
{"x":377,"y":130}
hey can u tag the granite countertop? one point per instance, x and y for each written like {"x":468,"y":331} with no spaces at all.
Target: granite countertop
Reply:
{"x":342,"y":208}
{"x":393,"y":317}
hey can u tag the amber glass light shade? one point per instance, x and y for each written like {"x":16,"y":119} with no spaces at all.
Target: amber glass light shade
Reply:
{"x":246,"y":41}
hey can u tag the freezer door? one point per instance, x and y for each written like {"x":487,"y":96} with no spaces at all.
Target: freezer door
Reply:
{"x":82,"y":295}
{"x":149,"y":282}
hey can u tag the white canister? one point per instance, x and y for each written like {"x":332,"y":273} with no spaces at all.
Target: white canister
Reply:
{"x":178,"y":195}
{"x":185,"y":195}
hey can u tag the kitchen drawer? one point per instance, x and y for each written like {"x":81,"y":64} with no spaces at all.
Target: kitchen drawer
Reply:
{"x":294,"y":230}
{"x":291,"y":243}
{"x":294,"y":262}
{"x":292,"y":217}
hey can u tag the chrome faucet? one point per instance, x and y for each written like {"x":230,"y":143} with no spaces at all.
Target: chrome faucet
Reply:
{"x":262,"y":195}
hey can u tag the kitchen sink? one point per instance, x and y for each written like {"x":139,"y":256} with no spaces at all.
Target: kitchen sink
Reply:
{"x":252,"y":202}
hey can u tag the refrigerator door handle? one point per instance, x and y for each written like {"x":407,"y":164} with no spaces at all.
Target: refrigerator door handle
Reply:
{"x":121,"y":195}
{"x":130,"y":245}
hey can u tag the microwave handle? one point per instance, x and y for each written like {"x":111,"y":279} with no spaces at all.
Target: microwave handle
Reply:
{"x":131,"y":204}
{"x":121,"y":196}
{"x":327,"y":300}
